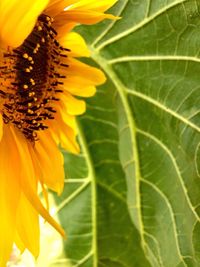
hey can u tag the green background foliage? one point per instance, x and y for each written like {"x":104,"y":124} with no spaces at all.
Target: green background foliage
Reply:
{"x":132,"y":196}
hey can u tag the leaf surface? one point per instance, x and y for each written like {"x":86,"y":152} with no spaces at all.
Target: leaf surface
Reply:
{"x":132,"y":197}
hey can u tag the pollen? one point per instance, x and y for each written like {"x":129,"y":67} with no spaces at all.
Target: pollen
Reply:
{"x":25,"y":55}
{"x":30,"y":80}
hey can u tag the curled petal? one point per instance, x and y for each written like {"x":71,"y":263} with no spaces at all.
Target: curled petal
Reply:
{"x":79,"y":69}
{"x":76,"y":44}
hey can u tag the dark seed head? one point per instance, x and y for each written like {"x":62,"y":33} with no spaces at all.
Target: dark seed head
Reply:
{"x":31,"y":70}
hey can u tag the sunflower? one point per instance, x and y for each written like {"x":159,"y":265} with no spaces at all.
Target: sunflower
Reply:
{"x":40,"y":78}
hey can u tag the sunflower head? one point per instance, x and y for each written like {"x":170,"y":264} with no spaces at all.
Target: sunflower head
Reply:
{"x":32,"y":77}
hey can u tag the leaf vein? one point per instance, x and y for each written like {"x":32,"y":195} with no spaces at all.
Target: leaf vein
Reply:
{"x":172,"y":216}
{"x":139,"y":25}
{"x":165,"y":108}
{"x":169,"y":153}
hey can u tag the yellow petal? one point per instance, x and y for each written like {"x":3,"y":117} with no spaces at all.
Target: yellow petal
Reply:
{"x":78,"y":90}
{"x":19,"y":243}
{"x":27,"y":184}
{"x":79,"y":82}
{"x":45,"y":195}
{"x":34,"y":200}
{"x":76,"y":44}
{"x":57,"y":6}
{"x":94,"y":5}
{"x":28,"y":226}
{"x":65,"y":132}
{"x":9,"y":194}
{"x":67,"y":136}
{"x":79,"y":69}
{"x":68,"y":141}
{"x":83,"y":11}
{"x":1,"y":126}
{"x":50,"y":162}
{"x":67,"y":118}
{"x":89,"y":11}
{"x":73,"y":106}
{"x":88,"y":17}
{"x":63,"y":28}
{"x":18,"y":19}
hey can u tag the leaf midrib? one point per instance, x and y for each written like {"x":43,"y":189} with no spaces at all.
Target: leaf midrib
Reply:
{"x":123,"y":93}
{"x":92,"y":176}
{"x":102,"y":62}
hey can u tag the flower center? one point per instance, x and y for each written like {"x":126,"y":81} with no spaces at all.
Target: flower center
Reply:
{"x":30,"y":79}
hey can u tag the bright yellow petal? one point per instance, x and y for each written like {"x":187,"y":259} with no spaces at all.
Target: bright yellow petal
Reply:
{"x":78,"y":69}
{"x":67,"y":135}
{"x":79,"y":87}
{"x":50,"y":162}
{"x":68,"y":140}
{"x":73,"y":105}
{"x":28,"y":226}
{"x":67,"y":118}
{"x":83,"y":11}
{"x":77,"y":90}
{"x":76,"y":44}
{"x":89,"y":11}
{"x":94,"y":5}
{"x":27,"y":184}
{"x":86,"y":17}
{"x":57,"y":6}
{"x":9,"y":193}
{"x":45,"y":195}
{"x":65,"y":131}
{"x":18,"y":19}
{"x":63,"y":28}
{"x":79,"y":82}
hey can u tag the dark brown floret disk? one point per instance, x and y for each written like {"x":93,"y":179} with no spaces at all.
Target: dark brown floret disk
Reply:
{"x":30,"y":80}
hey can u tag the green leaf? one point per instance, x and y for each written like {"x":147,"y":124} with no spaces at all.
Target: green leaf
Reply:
{"x":132,"y":197}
